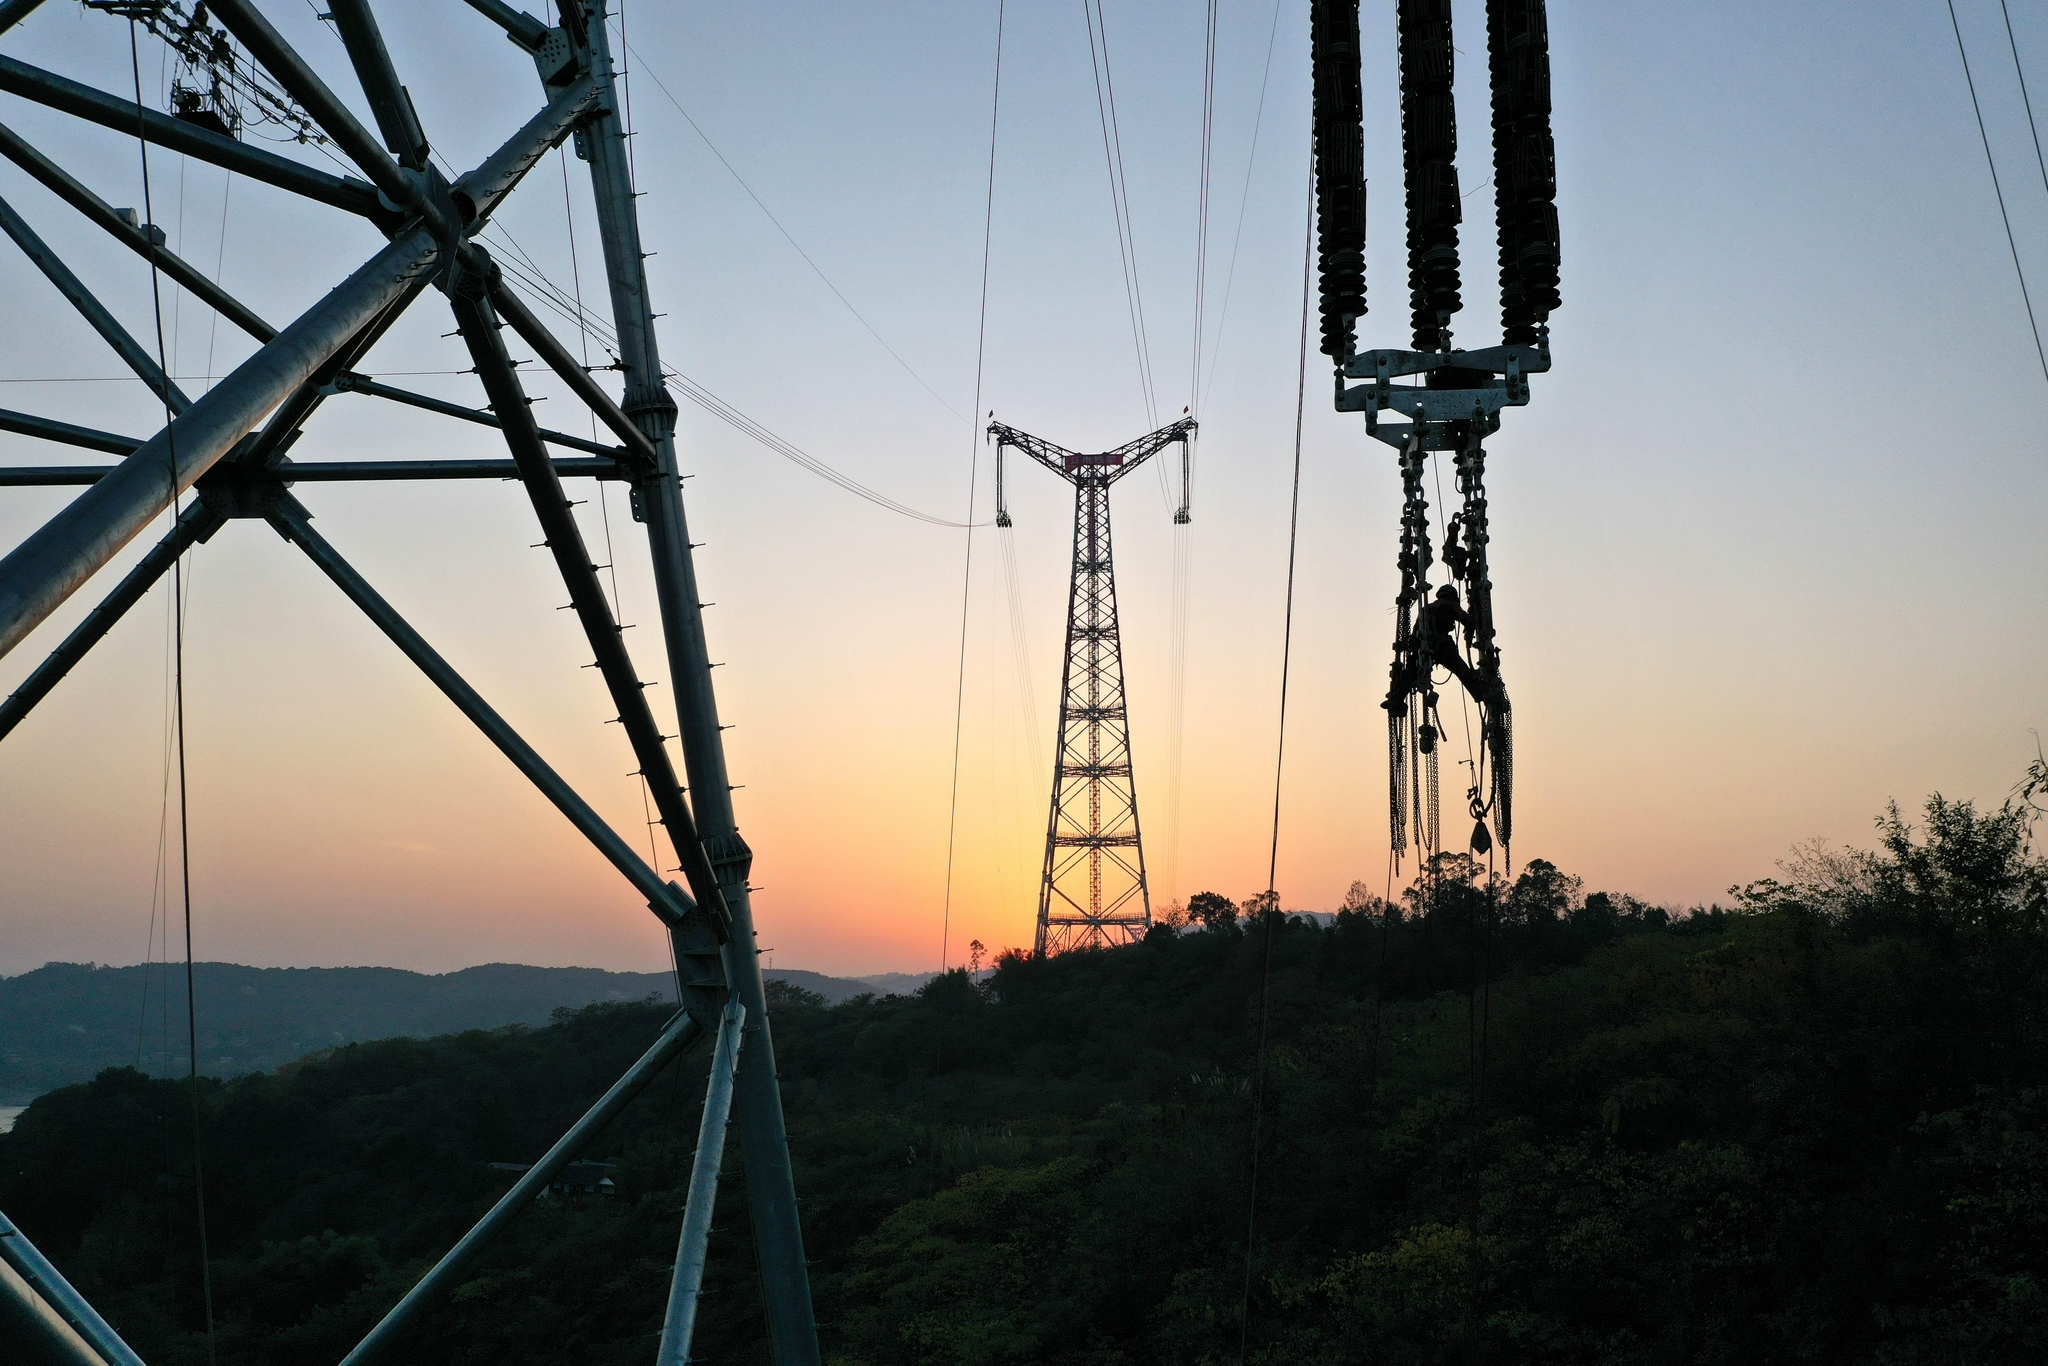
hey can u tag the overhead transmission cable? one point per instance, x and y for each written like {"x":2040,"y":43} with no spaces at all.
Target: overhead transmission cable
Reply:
{"x":1120,"y":200}
{"x":797,"y":246}
{"x":1996,"y":188}
{"x":988,"y":222}
{"x":2025,"y":99}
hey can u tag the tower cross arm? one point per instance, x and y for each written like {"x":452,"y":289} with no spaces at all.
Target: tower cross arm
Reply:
{"x":1107,"y":466}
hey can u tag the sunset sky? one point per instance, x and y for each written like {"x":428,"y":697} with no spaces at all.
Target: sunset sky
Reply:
{"x":1768,"y":543}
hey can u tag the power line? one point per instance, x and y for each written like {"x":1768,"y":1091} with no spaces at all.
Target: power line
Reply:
{"x":988,"y":220}
{"x":2025,"y":98}
{"x":1996,"y":188}
{"x":1120,"y":199}
{"x":769,"y":213}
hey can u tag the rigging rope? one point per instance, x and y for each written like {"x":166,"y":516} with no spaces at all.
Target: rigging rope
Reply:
{"x":1271,"y":903}
{"x":988,"y":219}
{"x":1997,"y":189}
{"x":178,"y":704}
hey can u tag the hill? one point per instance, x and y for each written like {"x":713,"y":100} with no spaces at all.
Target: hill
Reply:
{"x":1509,"y":1125}
{"x":64,"y":1022}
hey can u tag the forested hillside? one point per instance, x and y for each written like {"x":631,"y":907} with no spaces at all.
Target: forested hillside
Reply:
{"x":64,"y":1022}
{"x":1534,"y":1126}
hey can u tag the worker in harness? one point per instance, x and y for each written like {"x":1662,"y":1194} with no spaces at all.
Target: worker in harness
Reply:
{"x":1432,"y":643}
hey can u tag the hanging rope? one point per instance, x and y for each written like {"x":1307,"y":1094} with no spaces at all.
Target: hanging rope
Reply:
{"x":178,"y":707}
{"x":988,"y":221}
{"x":1271,"y":902}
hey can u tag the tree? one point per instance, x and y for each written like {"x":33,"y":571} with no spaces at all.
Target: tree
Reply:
{"x":1212,"y":911}
{"x":975,"y":949}
{"x":1542,"y":894}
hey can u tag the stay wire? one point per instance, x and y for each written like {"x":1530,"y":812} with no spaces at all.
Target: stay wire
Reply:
{"x":1271,"y":904}
{"x":178,"y":705}
{"x":1996,"y":188}
{"x":988,"y":220}
{"x":1120,"y":200}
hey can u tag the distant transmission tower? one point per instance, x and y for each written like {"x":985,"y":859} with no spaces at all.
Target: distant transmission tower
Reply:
{"x":1093,"y":894}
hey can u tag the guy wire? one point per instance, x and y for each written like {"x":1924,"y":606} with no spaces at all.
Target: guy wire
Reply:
{"x":1270,"y":905}
{"x":988,"y":219}
{"x":178,"y":705}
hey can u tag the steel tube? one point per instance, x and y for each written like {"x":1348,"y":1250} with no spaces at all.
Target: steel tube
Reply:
{"x":197,"y":523}
{"x":681,"y":1032}
{"x":135,"y":239}
{"x":72,"y":288}
{"x":679,"y":1324}
{"x":294,"y":523}
{"x":358,"y":384}
{"x":121,"y":115}
{"x":35,"y":1333}
{"x":49,"y":429}
{"x":24,"y":1259}
{"x":324,"y":471}
{"x":492,"y":180}
{"x":65,"y":551}
{"x":764,"y":1140}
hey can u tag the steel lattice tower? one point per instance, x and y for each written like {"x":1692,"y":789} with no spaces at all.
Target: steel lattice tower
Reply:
{"x":1093,"y":892}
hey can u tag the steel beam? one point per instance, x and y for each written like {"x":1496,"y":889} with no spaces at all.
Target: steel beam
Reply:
{"x":686,"y":1284}
{"x":14,"y":11}
{"x":681,"y":1032}
{"x":121,"y":115}
{"x":91,"y":309}
{"x":294,"y":523}
{"x":586,"y":594}
{"x":523,"y":29}
{"x":277,"y":57}
{"x":323,"y":472}
{"x":136,"y":239}
{"x":195,"y":524}
{"x":396,"y":118}
{"x":25,"y":1261}
{"x":49,"y":429}
{"x":556,"y":357}
{"x":347,"y":383}
{"x":764,"y":1140}
{"x":65,"y":551}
